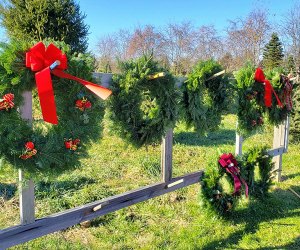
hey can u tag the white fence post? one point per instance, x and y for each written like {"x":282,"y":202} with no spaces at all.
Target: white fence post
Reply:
{"x":26,"y":186}
{"x":166,"y":156}
{"x":238,"y":143}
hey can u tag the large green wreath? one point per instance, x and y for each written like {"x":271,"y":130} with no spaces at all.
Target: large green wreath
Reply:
{"x":252,"y":112}
{"x":141,"y":109}
{"x":46,"y":148}
{"x":213,"y":194}
{"x":205,"y":96}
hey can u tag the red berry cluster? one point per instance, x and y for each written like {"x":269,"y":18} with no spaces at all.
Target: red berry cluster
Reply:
{"x":258,"y":122}
{"x":7,"y":101}
{"x":29,"y":151}
{"x":72,"y":144}
{"x":83,"y":104}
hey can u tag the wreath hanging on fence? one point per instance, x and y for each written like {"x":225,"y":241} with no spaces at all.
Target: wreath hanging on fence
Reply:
{"x":257,"y":157}
{"x":260,"y":99}
{"x":239,"y":176}
{"x":142,"y":107}
{"x":44,"y":147}
{"x":213,"y":195}
{"x":205,"y":96}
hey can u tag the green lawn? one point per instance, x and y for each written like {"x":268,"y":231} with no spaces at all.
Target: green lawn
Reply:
{"x":171,"y":221}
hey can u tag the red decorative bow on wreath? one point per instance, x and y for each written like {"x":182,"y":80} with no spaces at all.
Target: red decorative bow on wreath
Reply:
{"x":39,"y":59}
{"x":7,"y":102}
{"x":260,"y":77}
{"x":228,"y":162}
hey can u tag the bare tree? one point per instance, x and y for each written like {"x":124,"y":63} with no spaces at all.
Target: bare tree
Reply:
{"x":246,"y":38}
{"x":145,"y":41}
{"x":179,"y":46}
{"x":208,"y":43}
{"x":291,"y":31}
{"x":111,"y":48}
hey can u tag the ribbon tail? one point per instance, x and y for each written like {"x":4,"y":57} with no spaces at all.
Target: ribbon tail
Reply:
{"x":46,"y":95}
{"x":277,"y":98}
{"x":246,"y":186}
{"x":268,"y":94}
{"x":98,"y":90}
{"x":237,"y":184}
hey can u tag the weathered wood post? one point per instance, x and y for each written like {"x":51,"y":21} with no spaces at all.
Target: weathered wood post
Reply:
{"x":26,"y":187}
{"x":280,"y":140}
{"x":166,"y":156}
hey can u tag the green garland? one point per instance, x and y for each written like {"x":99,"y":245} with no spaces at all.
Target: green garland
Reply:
{"x":212,"y":194}
{"x":252,"y":112}
{"x":45,"y":148}
{"x":142,"y":110}
{"x":204,"y":97}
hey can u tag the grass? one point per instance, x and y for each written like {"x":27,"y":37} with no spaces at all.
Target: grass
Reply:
{"x":171,"y":221}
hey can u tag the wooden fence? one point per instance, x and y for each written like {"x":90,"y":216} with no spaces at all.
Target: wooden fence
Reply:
{"x":31,"y":228}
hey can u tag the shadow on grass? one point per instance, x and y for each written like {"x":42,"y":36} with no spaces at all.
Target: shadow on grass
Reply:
{"x":44,"y":189}
{"x":7,"y":191}
{"x":280,"y":204}
{"x":224,"y":136}
{"x":289,"y":176}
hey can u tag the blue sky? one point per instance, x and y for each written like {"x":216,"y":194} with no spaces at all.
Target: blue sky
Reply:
{"x":107,"y":16}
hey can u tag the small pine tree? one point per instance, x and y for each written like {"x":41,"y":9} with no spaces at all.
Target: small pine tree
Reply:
{"x":60,"y":20}
{"x":273,"y":53}
{"x":295,"y":117}
{"x":289,"y":64}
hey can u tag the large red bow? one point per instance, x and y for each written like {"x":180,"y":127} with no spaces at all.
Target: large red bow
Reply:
{"x":39,"y":59}
{"x":228,"y":162}
{"x":260,"y":77}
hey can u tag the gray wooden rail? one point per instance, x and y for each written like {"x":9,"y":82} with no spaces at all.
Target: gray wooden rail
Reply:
{"x":55,"y":222}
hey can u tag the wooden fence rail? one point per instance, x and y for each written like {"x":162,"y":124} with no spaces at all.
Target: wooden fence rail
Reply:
{"x":55,"y":222}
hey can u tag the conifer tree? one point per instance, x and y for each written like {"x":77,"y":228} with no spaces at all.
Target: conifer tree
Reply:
{"x":290,"y":64}
{"x":60,"y":20}
{"x":273,"y":53}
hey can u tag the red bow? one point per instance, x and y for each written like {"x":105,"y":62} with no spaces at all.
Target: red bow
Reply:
{"x":260,"y":77}
{"x":39,"y":58}
{"x":7,"y":101}
{"x":230,"y":164}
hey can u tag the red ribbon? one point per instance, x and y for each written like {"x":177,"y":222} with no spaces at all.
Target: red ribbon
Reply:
{"x":38,"y":59}
{"x":228,"y":162}
{"x":287,"y":94}
{"x":260,"y":77}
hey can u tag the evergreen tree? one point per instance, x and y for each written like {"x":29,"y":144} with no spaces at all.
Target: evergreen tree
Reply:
{"x":295,"y":118}
{"x":290,"y":64}
{"x":60,"y":20}
{"x":273,"y":53}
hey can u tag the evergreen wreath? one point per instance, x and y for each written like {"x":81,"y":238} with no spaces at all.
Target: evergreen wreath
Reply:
{"x":141,"y":109}
{"x":204,"y":97}
{"x":212,"y":194}
{"x":252,"y":112}
{"x":46,"y":148}
{"x":257,"y":157}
